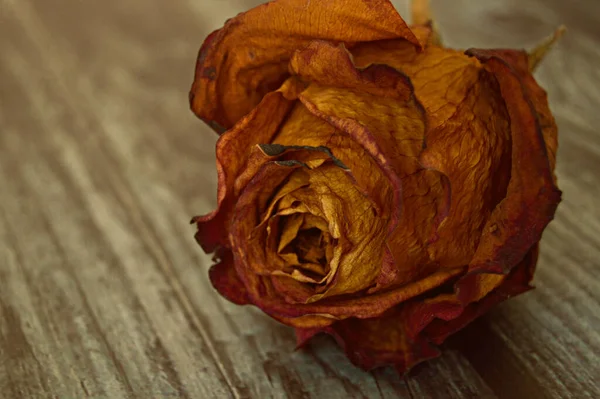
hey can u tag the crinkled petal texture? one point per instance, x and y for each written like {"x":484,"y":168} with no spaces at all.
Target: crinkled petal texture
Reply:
{"x":247,"y":58}
{"x":370,"y":187}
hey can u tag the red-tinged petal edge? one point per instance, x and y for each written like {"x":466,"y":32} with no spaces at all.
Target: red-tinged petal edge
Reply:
{"x":378,"y":342}
{"x":515,"y":284}
{"x":519,"y":62}
{"x":518,"y":221}
{"x":225,"y":279}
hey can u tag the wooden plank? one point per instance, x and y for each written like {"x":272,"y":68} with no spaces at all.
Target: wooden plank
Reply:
{"x":103,"y":292}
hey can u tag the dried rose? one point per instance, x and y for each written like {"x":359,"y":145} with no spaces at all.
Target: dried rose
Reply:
{"x":373,"y":184}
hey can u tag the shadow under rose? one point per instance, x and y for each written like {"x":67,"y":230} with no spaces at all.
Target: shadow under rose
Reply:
{"x":489,"y":353}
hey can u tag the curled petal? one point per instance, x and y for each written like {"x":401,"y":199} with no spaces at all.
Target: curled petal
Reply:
{"x":240,"y":63}
{"x":304,"y":128}
{"x":266,"y":295}
{"x":518,"y":61}
{"x":440,"y":77}
{"x":531,"y":200}
{"x":515,"y":283}
{"x":360,"y":102}
{"x":225,"y":279}
{"x":314,"y":62}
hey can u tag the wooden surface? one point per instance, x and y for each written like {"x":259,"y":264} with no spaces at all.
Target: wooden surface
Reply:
{"x":103,"y":291}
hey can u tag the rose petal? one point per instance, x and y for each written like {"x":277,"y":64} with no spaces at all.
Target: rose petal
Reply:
{"x":371,"y":343}
{"x":472,"y":148}
{"x":474,"y":294}
{"x":537,"y":96}
{"x":314,"y":64}
{"x":226,"y":280}
{"x":518,"y":221}
{"x":240,"y":63}
{"x":261,"y":238}
{"x":362,"y":232}
{"x":334,"y":197}
{"x":517,"y":282}
{"x":266,"y":296}
{"x":291,"y":290}
{"x":290,"y":230}
{"x":441,"y":77}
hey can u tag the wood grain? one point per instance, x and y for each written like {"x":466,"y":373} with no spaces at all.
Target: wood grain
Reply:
{"x":103,"y":291}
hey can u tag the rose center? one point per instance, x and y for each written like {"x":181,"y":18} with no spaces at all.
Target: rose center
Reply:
{"x":308,"y":246}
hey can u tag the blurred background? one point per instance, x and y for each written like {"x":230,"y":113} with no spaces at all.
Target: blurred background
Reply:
{"x":103,"y":291}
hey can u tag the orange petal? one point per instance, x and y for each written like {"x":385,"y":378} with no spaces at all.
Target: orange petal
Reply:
{"x":468,"y":137}
{"x":256,"y":218}
{"x":331,"y":195}
{"x":518,"y":61}
{"x":314,"y":64}
{"x":266,"y":295}
{"x":362,"y":231}
{"x":472,"y":148}
{"x":531,"y":200}
{"x":398,"y":123}
{"x":240,"y":63}
{"x":441,"y":77}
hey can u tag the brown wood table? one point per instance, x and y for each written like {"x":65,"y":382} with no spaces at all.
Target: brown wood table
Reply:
{"x":105,"y":294}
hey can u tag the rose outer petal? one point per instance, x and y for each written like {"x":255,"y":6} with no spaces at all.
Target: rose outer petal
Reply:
{"x":517,"y":282}
{"x":238,"y":64}
{"x":226,"y":280}
{"x":518,"y":221}
{"x":536,"y":95}
{"x":372,"y":343}
{"x":314,"y":64}
{"x":473,"y":149}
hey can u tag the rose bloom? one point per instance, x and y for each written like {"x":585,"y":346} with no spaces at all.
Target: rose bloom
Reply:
{"x":373,"y":185}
